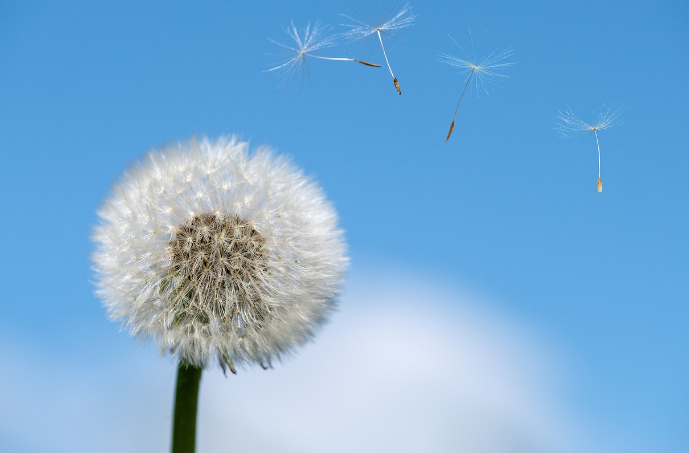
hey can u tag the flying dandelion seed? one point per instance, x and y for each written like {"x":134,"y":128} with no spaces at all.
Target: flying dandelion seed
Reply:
{"x":482,"y":71}
{"x":360,"y":30}
{"x":309,"y":40}
{"x":569,"y":125}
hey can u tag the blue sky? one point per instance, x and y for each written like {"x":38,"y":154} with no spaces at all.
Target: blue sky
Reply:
{"x":504,"y":216}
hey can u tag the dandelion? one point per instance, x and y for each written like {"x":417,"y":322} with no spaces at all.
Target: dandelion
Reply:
{"x":569,"y":125}
{"x":309,"y":40}
{"x":219,"y":256}
{"x":482,"y":71}
{"x":360,"y":30}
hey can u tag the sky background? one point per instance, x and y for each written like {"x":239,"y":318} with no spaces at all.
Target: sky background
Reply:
{"x":495,"y":303}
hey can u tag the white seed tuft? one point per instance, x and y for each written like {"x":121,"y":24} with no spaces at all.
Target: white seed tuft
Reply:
{"x":218,"y":254}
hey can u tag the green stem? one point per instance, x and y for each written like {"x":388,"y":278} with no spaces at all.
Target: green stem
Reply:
{"x":186,"y":398}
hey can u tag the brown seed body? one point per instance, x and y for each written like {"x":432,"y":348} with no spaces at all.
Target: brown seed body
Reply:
{"x":368,"y":64}
{"x":452,"y":126}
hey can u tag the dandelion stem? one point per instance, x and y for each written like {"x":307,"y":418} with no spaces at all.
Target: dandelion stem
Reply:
{"x":342,"y":59}
{"x":186,"y":399}
{"x":394,"y":79}
{"x":452,"y":126}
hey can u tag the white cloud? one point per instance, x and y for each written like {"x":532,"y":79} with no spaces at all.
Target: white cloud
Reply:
{"x":405,"y":366}
{"x":402,"y":368}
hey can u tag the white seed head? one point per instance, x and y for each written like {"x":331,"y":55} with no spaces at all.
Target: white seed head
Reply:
{"x":389,"y":24}
{"x":569,"y":125}
{"x":486,"y":70}
{"x":218,"y":254}
{"x":306,"y":41}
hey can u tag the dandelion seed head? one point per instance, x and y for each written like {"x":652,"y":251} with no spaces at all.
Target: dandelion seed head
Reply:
{"x":216,"y":253}
{"x":360,"y":29}
{"x":485,"y":71}
{"x":569,"y":125}
{"x":307,"y":40}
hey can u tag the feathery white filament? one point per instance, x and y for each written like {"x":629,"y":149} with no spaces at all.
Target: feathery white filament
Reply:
{"x":361,"y":29}
{"x":569,"y":125}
